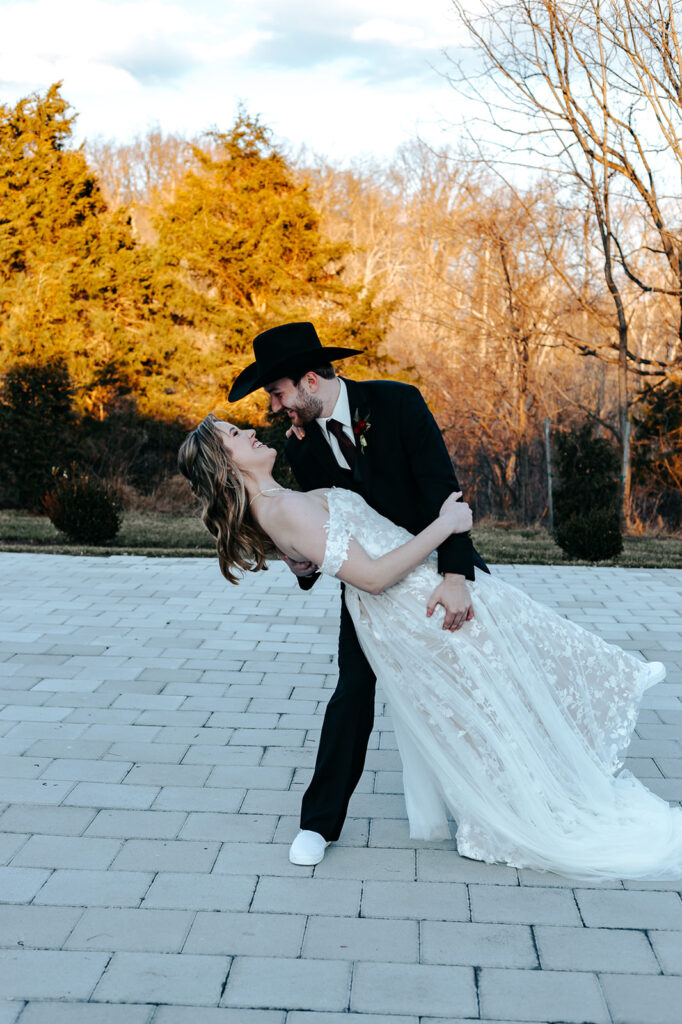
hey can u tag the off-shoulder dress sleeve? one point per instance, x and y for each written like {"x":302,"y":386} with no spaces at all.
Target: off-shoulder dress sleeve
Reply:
{"x":338,"y":538}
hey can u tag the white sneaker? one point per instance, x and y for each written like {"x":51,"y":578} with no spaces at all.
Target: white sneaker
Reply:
{"x":307,"y":848}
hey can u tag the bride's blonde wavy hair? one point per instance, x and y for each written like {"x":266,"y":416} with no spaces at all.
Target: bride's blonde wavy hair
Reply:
{"x":218,"y":483}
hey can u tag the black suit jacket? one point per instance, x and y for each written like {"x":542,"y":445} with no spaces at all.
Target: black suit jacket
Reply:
{"x":404,"y":471}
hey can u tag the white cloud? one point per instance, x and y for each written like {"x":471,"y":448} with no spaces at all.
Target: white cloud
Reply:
{"x":239,"y":46}
{"x":343,"y":76}
{"x":386,"y":30}
{"x":102,"y":30}
{"x":149,"y":38}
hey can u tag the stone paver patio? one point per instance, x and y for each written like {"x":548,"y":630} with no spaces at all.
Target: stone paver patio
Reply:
{"x":157,"y":728}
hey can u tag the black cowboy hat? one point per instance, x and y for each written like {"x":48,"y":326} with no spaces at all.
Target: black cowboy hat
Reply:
{"x":283,"y":351}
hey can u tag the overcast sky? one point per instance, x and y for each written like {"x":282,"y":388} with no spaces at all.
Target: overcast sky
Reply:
{"x":345,"y":77}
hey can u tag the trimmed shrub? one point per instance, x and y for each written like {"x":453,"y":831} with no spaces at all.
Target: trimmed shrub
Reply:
{"x":36,"y":424}
{"x":84,"y":508}
{"x":593,"y":535}
{"x":586,"y":502}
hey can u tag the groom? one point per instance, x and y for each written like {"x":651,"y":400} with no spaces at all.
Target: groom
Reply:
{"x":377,"y":438}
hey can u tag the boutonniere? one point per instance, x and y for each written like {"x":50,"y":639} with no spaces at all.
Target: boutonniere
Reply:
{"x":361,"y":425}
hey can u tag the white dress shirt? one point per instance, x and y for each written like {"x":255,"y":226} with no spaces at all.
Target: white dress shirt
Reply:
{"x":342,"y":414}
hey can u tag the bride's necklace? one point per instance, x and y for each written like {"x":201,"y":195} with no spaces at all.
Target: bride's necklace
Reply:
{"x":267,"y":490}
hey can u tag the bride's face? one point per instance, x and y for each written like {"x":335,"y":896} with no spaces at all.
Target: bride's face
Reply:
{"x":248,"y":452}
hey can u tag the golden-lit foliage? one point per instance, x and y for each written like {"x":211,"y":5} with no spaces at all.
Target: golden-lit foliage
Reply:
{"x":164,"y":323}
{"x":502,"y":312}
{"x":75,"y":283}
{"x":148,"y":268}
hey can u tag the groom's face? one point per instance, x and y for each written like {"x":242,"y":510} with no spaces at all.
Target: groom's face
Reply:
{"x":299,"y":401}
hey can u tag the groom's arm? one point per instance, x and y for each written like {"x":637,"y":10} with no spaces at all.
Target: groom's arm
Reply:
{"x":434,"y":476}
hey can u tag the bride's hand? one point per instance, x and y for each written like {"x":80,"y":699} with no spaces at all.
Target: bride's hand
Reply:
{"x":456,"y":513}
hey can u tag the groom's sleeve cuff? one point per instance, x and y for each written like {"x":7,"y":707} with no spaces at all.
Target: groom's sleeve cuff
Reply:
{"x":456,"y":555}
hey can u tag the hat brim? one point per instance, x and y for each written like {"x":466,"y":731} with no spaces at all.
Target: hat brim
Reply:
{"x":250,"y":379}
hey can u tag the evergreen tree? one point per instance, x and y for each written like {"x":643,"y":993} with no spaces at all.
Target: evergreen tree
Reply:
{"x":243,"y":244}
{"x":657,"y":450}
{"x":586,"y":501}
{"x":73,"y":282}
{"x":160,"y":329}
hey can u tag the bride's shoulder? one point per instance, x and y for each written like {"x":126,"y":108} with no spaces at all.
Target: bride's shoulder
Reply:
{"x":302,"y":504}
{"x":318,"y":493}
{"x":316,"y":503}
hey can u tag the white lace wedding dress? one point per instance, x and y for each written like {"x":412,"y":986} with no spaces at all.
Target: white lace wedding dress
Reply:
{"x":516,"y":723}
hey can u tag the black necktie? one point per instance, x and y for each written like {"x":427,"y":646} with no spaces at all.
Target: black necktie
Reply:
{"x":345,"y":444}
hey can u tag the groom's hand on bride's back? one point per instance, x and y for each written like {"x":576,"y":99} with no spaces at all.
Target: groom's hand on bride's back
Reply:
{"x":298,"y":568}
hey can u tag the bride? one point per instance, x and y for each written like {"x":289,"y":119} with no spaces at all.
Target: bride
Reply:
{"x":514,"y":725}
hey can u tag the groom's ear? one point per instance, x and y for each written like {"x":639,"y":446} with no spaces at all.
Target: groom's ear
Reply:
{"x":311,"y":381}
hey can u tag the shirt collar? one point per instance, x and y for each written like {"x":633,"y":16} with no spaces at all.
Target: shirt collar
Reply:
{"x":341,"y":409}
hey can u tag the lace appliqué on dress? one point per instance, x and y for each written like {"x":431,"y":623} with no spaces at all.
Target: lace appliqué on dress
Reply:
{"x":338,"y":538}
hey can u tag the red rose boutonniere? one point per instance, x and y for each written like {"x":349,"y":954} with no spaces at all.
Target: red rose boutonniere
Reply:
{"x":361,"y":425}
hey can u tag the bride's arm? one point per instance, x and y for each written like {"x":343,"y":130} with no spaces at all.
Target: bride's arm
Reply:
{"x":300,"y":530}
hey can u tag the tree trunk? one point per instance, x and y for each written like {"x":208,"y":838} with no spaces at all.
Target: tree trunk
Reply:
{"x":624,"y":414}
{"x":623,"y":382}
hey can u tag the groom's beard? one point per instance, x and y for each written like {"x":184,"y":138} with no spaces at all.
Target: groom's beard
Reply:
{"x":308,"y":408}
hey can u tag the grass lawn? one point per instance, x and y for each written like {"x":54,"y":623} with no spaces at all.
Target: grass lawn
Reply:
{"x":185,"y":536}
{"x":534,"y":546}
{"x":142,"y":533}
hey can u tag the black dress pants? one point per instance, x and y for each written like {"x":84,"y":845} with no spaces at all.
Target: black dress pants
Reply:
{"x":346,"y":728}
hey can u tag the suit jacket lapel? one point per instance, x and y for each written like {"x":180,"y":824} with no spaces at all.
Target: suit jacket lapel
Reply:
{"x":358,"y":400}
{"x":317,"y":449}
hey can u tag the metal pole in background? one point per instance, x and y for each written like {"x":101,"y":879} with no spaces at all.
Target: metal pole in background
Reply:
{"x":625,"y":476}
{"x":550,"y":499}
